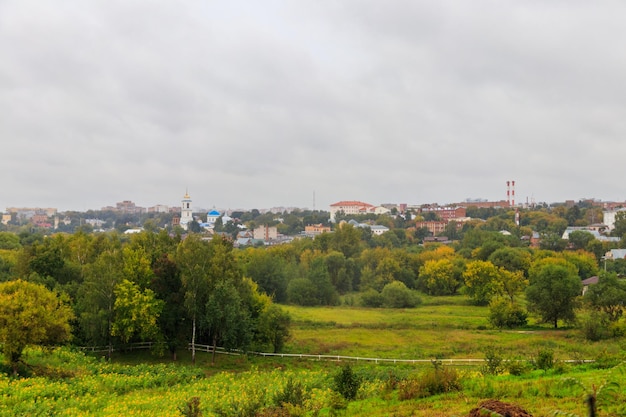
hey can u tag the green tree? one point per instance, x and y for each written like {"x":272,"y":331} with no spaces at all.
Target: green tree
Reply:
{"x":273,"y":327}
{"x":513,"y":283}
{"x":397,"y":295}
{"x":504,"y":313}
{"x":320,"y":278}
{"x":347,"y":240}
{"x":573,"y":215}
{"x":136,"y":313}
{"x":136,"y":266}
{"x":438,"y":277}
{"x":193,"y":257}
{"x":339,"y":271}
{"x":580,"y":239}
{"x":268,"y":271}
{"x":552,"y":292}
{"x":482,"y":281}
{"x":585,"y":262}
{"x":301,"y":291}
{"x":213,"y":280}
{"x":9,"y":241}
{"x":228,"y":322}
{"x":608,"y":295}
{"x":6,"y":266}
{"x":552,"y":241}
{"x":167,"y":286}
{"x":511,"y":259}
{"x":96,"y":298}
{"x":30,"y":314}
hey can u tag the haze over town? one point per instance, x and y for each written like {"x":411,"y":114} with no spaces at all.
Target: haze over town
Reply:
{"x":252,"y":105}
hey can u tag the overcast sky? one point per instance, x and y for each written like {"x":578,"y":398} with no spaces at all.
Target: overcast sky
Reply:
{"x":256,"y":104}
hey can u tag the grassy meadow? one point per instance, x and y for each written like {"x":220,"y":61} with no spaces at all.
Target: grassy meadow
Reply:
{"x":66,"y":382}
{"x":443,"y":327}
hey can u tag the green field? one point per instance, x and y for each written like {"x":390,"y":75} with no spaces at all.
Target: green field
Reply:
{"x":66,"y":382}
{"x":444,"y":327}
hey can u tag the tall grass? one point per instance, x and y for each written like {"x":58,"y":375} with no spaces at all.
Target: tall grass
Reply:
{"x":70,"y":383}
{"x":450,"y":328}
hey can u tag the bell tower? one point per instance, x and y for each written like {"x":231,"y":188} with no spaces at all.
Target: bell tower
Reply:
{"x":186,"y":216}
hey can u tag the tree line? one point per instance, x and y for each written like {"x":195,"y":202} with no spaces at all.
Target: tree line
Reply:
{"x":177,"y":289}
{"x":113,"y":289}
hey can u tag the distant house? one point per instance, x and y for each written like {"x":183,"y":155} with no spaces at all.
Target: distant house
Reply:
{"x":615,"y":254}
{"x":589,"y":281}
{"x":381,"y":210}
{"x":535,"y":240}
{"x":350,"y":207}
{"x":265,"y":233}
{"x":595,"y":230}
{"x":445,"y":213}
{"x":609,"y":217}
{"x":378,"y":230}
{"x":245,"y":234}
{"x":247,"y":242}
{"x":316,"y":229}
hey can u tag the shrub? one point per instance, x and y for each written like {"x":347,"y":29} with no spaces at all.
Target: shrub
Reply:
{"x":292,"y":393}
{"x":596,"y":326}
{"x":503,"y":313}
{"x":544,"y":360}
{"x":494,"y":363}
{"x":347,"y":383}
{"x":397,"y":295}
{"x":371,"y":298}
{"x":191,"y":408}
{"x":432,"y":382}
{"x":516,"y":367}
{"x":302,"y":291}
{"x":274,"y":412}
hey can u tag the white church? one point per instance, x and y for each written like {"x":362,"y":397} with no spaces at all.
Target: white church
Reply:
{"x":186,"y":215}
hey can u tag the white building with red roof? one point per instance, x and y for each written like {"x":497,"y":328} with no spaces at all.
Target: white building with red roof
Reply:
{"x":350,"y":208}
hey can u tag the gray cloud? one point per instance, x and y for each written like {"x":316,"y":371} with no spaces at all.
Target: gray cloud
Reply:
{"x":258,"y":104}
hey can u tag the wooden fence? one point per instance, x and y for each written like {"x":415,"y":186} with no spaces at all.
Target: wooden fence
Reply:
{"x":336,"y":358}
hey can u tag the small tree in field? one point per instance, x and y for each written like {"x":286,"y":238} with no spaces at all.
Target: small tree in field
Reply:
{"x":553,"y":292}
{"x":30,"y":314}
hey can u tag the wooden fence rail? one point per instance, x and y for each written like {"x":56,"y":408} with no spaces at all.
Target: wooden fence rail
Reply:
{"x":117,"y":348}
{"x":336,"y":358}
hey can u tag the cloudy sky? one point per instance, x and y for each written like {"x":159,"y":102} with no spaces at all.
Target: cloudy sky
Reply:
{"x":256,"y":104}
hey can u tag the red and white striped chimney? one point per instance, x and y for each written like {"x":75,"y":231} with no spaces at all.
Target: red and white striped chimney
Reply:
{"x":513,"y":193}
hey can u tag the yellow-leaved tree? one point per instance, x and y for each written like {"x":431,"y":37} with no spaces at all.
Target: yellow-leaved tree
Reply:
{"x":30,"y":314}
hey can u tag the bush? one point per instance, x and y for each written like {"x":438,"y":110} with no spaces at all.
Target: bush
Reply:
{"x":439,"y":380}
{"x":516,"y":367}
{"x":292,"y":393}
{"x":494,"y":363}
{"x":347,"y":383}
{"x":596,"y":326}
{"x":371,"y":298}
{"x":301,"y":291}
{"x":503,"y":313}
{"x":397,"y":295}
{"x":191,"y":408}
{"x":544,"y":360}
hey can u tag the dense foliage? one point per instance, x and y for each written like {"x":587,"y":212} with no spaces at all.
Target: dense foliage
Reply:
{"x":177,"y":289}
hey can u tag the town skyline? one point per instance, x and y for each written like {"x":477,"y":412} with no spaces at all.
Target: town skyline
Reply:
{"x":509,"y":200}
